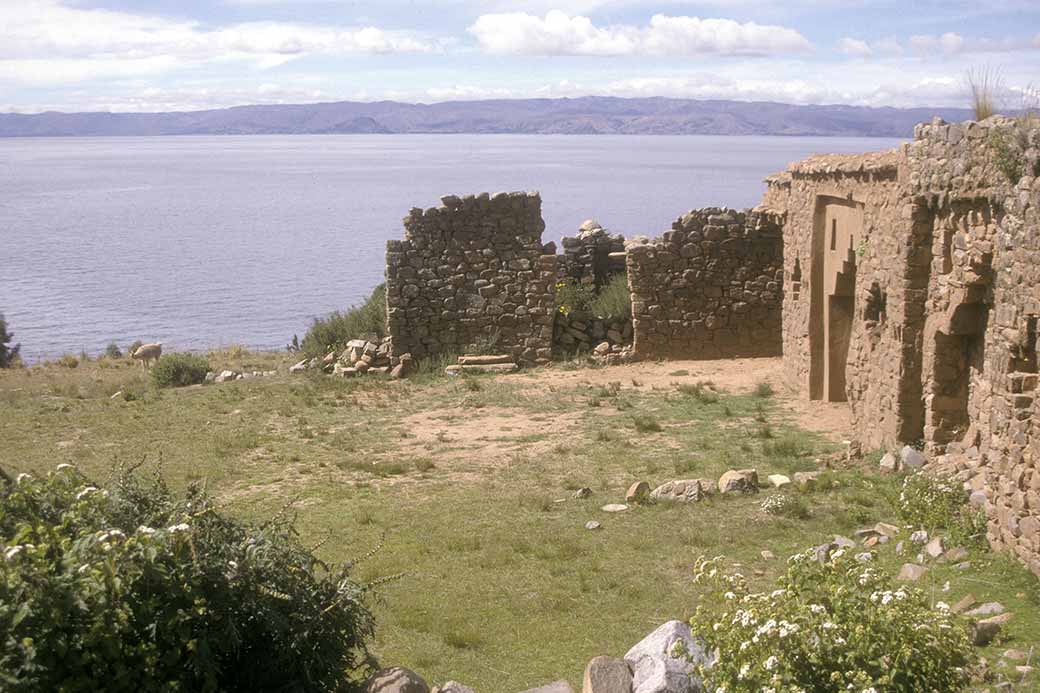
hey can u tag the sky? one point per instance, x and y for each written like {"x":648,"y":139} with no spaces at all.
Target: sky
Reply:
{"x":164,"y":55}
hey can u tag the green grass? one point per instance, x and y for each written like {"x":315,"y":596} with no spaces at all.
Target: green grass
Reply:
{"x":502,"y":587}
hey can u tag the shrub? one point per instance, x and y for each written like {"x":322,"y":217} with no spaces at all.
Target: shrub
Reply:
{"x":646,"y":424}
{"x":335,"y":330}
{"x":614,"y":301}
{"x":703,"y":391}
{"x":832,"y":625}
{"x":763,"y":390}
{"x":8,"y":354}
{"x":573,"y":297}
{"x":112,"y":351}
{"x":783,"y":505}
{"x":985,"y":85}
{"x":179,"y":370}
{"x":933,"y":503}
{"x":68,"y":361}
{"x":135,"y":589}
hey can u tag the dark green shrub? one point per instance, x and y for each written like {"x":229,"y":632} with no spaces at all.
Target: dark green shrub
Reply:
{"x":335,"y":330}
{"x":934,"y":503}
{"x":8,"y":353}
{"x":133,"y":588}
{"x":614,"y":302}
{"x":573,"y":297}
{"x":178,"y":370}
{"x":113,"y":352}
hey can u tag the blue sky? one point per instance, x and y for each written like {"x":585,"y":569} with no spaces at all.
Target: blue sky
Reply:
{"x":155,"y":55}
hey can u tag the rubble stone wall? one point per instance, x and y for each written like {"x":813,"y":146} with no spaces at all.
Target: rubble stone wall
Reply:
{"x":469,"y":272}
{"x":709,"y":288}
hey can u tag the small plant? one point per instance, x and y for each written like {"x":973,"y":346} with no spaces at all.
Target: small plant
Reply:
{"x":985,"y":85}
{"x":614,"y":301}
{"x":179,"y":370}
{"x":703,"y":391}
{"x":783,"y":505}
{"x":764,"y":390}
{"x":646,"y":424}
{"x":1008,"y":154}
{"x":933,"y":503}
{"x":113,"y":352}
{"x":485,"y":344}
{"x":8,"y":354}
{"x":573,"y":297}
{"x":837,"y":624}
{"x":68,"y":361}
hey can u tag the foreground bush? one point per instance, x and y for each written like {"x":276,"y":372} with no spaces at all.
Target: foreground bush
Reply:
{"x":933,"y":503}
{"x":135,"y":589}
{"x":179,"y":370}
{"x":835,"y":625}
{"x":8,"y":353}
{"x":336,"y":329}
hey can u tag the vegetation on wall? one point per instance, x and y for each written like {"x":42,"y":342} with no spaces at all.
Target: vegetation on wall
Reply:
{"x":984,"y":85}
{"x":613,"y":301}
{"x":336,"y":329}
{"x":134,"y":588}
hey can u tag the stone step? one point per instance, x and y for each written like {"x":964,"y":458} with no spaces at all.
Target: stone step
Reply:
{"x":482,"y":368}
{"x":485,"y":360}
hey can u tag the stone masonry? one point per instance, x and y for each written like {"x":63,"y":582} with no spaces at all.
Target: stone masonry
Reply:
{"x":709,"y":288}
{"x":472,"y":272}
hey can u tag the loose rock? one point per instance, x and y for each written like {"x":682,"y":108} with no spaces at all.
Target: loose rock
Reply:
{"x":607,"y":675}
{"x":614,"y":508}
{"x":778,"y":480}
{"x":592,"y":524}
{"x":739,"y":481}
{"x":683,"y":490}
{"x":911,"y":572}
{"x":554,"y":687}
{"x":910,"y":458}
{"x":655,"y":669}
{"x":637,"y":492}
{"x":396,"y":680}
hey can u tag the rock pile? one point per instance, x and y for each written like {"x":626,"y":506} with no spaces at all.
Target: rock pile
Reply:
{"x":360,"y":357}
{"x":227,"y":376}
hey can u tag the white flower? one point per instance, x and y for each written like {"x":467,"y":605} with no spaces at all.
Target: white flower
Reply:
{"x":942,"y":606}
{"x":182,"y":527}
{"x":85,"y":492}
{"x":827,"y":625}
{"x":817,"y":608}
{"x":63,"y":466}
{"x":22,"y":477}
{"x":837,"y":554}
{"x":744,"y":671}
{"x":778,"y":593}
{"x":13,"y":551}
{"x":143,"y":529}
{"x":730,"y":595}
{"x":870,"y":690}
{"x":886,"y":598}
{"x":770,"y":663}
{"x":864,"y":557}
{"x":744,"y":645}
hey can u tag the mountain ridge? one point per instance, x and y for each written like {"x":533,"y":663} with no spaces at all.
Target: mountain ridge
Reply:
{"x":583,"y":115}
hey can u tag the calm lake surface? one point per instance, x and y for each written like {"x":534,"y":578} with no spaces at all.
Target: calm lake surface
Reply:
{"x":202,"y":242}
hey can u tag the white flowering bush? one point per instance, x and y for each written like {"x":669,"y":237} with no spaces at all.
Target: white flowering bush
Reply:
{"x":132,"y":588}
{"x":933,"y":503}
{"x":835,"y":625}
{"x":785,"y":505}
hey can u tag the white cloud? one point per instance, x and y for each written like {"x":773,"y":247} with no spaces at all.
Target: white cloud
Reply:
{"x":854,"y":48}
{"x":558,"y":33}
{"x":949,"y":43}
{"x":40,"y":39}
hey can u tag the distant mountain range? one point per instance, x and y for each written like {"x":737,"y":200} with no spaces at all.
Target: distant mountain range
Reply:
{"x":592,"y":115}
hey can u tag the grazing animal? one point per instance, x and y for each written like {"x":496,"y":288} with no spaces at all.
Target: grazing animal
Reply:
{"x":146,"y":353}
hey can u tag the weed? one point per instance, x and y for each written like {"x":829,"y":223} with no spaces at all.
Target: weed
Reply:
{"x":763,"y":390}
{"x":645,"y":423}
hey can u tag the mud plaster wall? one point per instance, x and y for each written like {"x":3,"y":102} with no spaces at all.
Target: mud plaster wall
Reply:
{"x":983,"y":305}
{"x":472,"y":270}
{"x":709,"y":288}
{"x":866,"y":200}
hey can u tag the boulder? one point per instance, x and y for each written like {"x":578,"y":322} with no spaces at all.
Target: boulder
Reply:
{"x":935,"y":547}
{"x":778,"y":480}
{"x":560,"y":686}
{"x":226,"y":376}
{"x":911,"y":459}
{"x":638,"y":492}
{"x":683,"y":490}
{"x":911,"y":572}
{"x":806,"y":481}
{"x":607,"y":675}
{"x":985,"y":610}
{"x":602,"y":349}
{"x":883,"y":528}
{"x":739,"y":481}
{"x":404,"y":368}
{"x":889,"y":464}
{"x":396,"y":680}
{"x":299,"y":367}
{"x":658,"y":665}
{"x":983,"y":632}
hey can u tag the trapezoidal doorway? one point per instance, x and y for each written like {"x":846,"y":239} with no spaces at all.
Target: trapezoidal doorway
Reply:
{"x":838,"y":227}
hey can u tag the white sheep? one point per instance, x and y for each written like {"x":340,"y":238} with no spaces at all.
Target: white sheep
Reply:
{"x":147,"y":352}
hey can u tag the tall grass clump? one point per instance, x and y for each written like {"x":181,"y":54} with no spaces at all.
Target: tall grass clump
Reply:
{"x":133,"y":588}
{"x":614,"y":301}
{"x":8,"y":354}
{"x":985,"y":85}
{"x":179,"y":370}
{"x":336,"y":329}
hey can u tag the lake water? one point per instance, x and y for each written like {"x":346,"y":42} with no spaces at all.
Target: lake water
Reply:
{"x":202,"y":242}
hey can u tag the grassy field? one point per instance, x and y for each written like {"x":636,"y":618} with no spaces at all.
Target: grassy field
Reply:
{"x":469,"y":485}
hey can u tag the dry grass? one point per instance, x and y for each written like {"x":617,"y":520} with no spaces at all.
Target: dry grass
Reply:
{"x":985,"y":85}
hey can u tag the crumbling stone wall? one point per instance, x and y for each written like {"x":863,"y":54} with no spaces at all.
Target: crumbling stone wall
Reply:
{"x":864,"y":200}
{"x":709,"y":288}
{"x":470,"y":271}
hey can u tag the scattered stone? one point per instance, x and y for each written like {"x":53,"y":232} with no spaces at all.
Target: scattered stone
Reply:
{"x":768,"y":555}
{"x":560,"y":686}
{"x":299,"y":367}
{"x":911,"y":572}
{"x":739,"y":481}
{"x":935,"y":548}
{"x":116,"y":395}
{"x":778,"y":480}
{"x":983,"y":632}
{"x":889,"y":464}
{"x":614,"y":508}
{"x":900,"y":549}
{"x":583,"y":492}
{"x":396,"y":680}
{"x":964,"y":604}
{"x":977,"y":499}
{"x":659,"y":665}
{"x":1024,"y":670}
{"x":684,"y":490}
{"x":843,"y":542}
{"x":885,"y":529}
{"x":910,"y":458}
{"x":987,"y":609}
{"x":592,"y":524}
{"x":225,"y":376}
{"x":452,"y":687}
{"x":919,"y":537}
{"x":607,"y":675}
{"x":404,"y":368}
{"x":638,"y":492}
{"x":955,"y":554}
{"x":1015,"y":655}
{"x":806,"y":481}
{"x":602,"y":349}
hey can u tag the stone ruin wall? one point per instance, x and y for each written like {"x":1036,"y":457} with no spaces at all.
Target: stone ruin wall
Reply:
{"x":471,"y":271}
{"x":709,"y":288}
{"x":983,"y":304}
{"x":865,"y":199}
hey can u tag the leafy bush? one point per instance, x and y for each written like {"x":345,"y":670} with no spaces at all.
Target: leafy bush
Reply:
{"x":68,"y":361}
{"x":136,"y":589}
{"x":614,"y":302}
{"x":113,"y":352}
{"x":934,"y":503}
{"x":833,"y":625}
{"x":179,"y":370}
{"x":783,"y":505}
{"x":8,"y":353}
{"x":573,"y":297}
{"x":336,"y":329}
